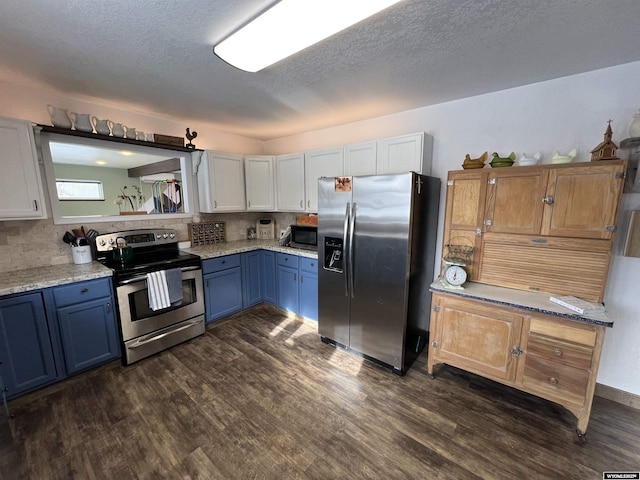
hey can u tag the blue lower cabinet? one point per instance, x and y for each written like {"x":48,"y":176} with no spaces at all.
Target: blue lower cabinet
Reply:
{"x":309,"y":288}
{"x":89,"y":334}
{"x":26,"y":354}
{"x":268,"y":276}
{"x":87,"y":323}
{"x":288,"y":289}
{"x":251,"y":279}
{"x":298,"y":284}
{"x":223,"y":290}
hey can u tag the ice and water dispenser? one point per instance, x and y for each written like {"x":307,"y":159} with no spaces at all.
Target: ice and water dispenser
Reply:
{"x":333,"y":255}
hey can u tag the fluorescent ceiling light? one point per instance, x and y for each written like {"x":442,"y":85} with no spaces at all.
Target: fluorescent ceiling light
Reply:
{"x":291,"y":26}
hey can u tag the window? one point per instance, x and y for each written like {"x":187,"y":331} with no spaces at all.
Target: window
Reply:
{"x":70,"y":189}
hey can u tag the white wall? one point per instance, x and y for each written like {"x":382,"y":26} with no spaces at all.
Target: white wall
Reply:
{"x":555,"y":115}
{"x":30,"y":103}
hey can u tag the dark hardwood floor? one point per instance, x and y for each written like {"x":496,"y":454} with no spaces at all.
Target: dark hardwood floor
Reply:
{"x":260,"y":396}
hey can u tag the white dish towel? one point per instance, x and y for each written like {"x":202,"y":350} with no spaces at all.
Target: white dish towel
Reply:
{"x":158,"y":290}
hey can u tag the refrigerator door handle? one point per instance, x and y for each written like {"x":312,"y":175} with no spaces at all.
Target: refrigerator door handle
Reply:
{"x":350,"y":257}
{"x":345,"y":233}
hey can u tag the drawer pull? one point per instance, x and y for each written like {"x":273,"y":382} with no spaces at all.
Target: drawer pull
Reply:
{"x":434,"y":344}
{"x":558,"y":352}
{"x":84,"y":290}
{"x":553,"y":381}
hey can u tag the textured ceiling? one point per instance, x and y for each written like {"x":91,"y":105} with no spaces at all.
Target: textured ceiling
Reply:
{"x":157,"y":56}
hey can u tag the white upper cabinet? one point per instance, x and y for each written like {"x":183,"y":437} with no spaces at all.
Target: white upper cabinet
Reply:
{"x":260,"y":180}
{"x":21,"y":190}
{"x":360,"y":159}
{"x":407,"y":153}
{"x":328,"y":162}
{"x":290,"y":183}
{"x":221,"y":183}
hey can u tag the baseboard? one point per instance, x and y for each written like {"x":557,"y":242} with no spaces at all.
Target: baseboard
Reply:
{"x":620,"y":396}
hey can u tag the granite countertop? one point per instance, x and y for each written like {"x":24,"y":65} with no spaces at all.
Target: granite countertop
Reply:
{"x":533,"y":301}
{"x":50,"y":276}
{"x":239,"y":246}
{"x":36,"y":278}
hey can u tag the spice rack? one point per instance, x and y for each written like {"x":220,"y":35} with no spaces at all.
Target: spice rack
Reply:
{"x":207,"y":233}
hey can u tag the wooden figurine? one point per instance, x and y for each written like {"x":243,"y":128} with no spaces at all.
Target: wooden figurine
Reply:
{"x":607,"y":149}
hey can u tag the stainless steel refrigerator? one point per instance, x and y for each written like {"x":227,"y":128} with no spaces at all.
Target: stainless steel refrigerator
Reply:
{"x":376,"y":246}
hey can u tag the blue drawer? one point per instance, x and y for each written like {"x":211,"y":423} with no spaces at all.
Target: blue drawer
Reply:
{"x":287,"y":260}
{"x":309,"y":264}
{"x":82,"y":291}
{"x":220,"y":263}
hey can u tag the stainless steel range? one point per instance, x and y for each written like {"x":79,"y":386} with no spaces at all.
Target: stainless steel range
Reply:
{"x":138,"y":259}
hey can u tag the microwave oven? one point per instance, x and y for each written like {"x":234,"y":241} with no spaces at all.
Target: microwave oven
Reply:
{"x":304,"y":236}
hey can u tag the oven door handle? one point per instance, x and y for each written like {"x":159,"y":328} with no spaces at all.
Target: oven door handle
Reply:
{"x":167,"y":331}
{"x":140,"y":278}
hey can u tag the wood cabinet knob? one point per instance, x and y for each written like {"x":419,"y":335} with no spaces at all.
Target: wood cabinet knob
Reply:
{"x":553,"y":381}
{"x":558,"y":352}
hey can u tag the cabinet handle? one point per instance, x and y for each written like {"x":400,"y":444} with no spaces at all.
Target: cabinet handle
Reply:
{"x":215,"y":204}
{"x":308,"y":203}
{"x":312,"y":264}
{"x":558,"y":352}
{"x":223,"y":262}
{"x":516,"y":351}
{"x":35,"y":205}
{"x":553,"y":381}
{"x":301,"y":278}
{"x":295,"y":277}
{"x":249,"y":203}
{"x":548,"y":200}
{"x":108,"y":307}
{"x":286,"y":259}
{"x":434,"y":344}
{"x":301,"y":203}
{"x":84,"y":290}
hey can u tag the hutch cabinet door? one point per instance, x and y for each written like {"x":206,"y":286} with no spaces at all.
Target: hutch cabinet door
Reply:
{"x":466,"y":192}
{"x":514,"y":200}
{"x":583,"y":202}
{"x":478,"y":338}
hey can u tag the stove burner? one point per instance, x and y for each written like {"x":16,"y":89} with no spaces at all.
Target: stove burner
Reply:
{"x":152,"y":250}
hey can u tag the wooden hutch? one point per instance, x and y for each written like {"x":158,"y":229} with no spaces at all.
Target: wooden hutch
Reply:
{"x":536,"y":231}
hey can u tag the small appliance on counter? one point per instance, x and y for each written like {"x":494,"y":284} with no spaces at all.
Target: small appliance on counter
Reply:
{"x":304,"y":237}
{"x":265,"y":229}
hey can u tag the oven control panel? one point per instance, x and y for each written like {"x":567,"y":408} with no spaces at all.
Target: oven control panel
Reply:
{"x":136,"y":238}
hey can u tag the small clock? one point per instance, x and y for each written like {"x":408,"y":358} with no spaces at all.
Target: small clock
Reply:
{"x":455,"y":275}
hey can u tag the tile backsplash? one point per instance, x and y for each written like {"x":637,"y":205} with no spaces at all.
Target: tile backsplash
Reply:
{"x":36,"y":243}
